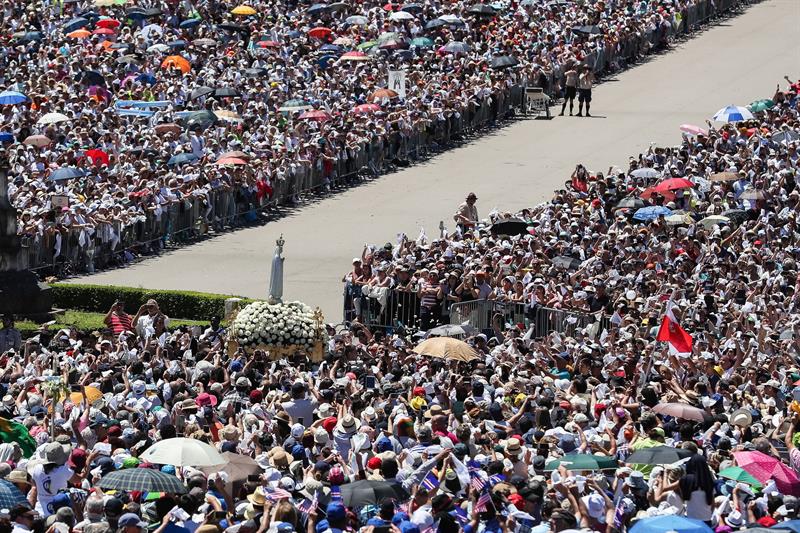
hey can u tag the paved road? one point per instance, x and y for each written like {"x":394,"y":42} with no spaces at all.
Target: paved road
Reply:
{"x":734,"y":63}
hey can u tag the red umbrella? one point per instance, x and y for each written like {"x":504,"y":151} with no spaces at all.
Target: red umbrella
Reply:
{"x":392,"y":7}
{"x":315,"y":115}
{"x":98,"y":157}
{"x":268,"y":44}
{"x":366,"y":108}
{"x":764,"y":467}
{"x":673,"y":184}
{"x":107,"y":23}
{"x":355,"y":55}
{"x":650,"y":191}
{"x":103,"y":31}
{"x":230,"y":161}
{"x":320,"y":33}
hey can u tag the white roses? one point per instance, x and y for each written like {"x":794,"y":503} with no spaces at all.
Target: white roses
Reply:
{"x":285,"y":324}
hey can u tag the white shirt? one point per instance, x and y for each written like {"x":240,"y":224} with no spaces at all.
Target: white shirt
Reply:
{"x":48,"y":485}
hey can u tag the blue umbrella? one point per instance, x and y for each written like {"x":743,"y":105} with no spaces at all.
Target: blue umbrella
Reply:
{"x":733,"y":113}
{"x":66,"y":173}
{"x":146,"y":78}
{"x":181,"y":159}
{"x":75,"y":24}
{"x":404,"y":55}
{"x":356,"y":20}
{"x":177,"y":44}
{"x":326,"y":61}
{"x":435,"y":24}
{"x":660,"y":524}
{"x":332,"y":48}
{"x":190,"y":23}
{"x":10,"y":495}
{"x":651,"y":213}
{"x":316,"y":9}
{"x":12,"y":98}
{"x":6,"y":137}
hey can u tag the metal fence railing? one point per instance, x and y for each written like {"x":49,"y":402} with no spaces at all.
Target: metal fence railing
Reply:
{"x":62,"y":251}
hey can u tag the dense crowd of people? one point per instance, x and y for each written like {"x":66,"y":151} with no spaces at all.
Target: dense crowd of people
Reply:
{"x":115,"y":113}
{"x":618,"y":429}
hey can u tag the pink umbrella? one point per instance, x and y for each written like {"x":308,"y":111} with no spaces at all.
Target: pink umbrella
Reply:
{"x":366,"y":108}
{"x":764,"y":467}
{"x":691,"y":129}
{"x":681,"y":410}
{"x":315,"y":115}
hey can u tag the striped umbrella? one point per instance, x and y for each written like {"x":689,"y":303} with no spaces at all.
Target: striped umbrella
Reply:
{"x":142,"y":479}
{"x":733,"y":113}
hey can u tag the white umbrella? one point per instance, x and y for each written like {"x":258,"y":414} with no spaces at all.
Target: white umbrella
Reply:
{"x":53,"y":118}
{"x":160,"y":47}
{"x":401,"y":15}
{"x":733,"y":113}
{"x":152,"y":30}
{"x":646,"y":173}
{"x":181,"y":451}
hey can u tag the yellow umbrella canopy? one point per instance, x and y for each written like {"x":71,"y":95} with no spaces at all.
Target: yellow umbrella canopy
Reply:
{"x":243,"y":10}
{"x":446,"y":348}
{"x":92,"y":395}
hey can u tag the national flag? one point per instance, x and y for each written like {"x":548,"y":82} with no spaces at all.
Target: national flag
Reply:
{"x":460,"y":515}
{"x":336,"y":494}
{"x":671,"y":331}
{"x":477,"y":482}
{"x":473,"y":466}
{"x":401,"y":507}
{"x":431,"y":482}
{"x":274,"y":495}
{"x":495,"y":479}
{"x":483,"y":502}
{"x":619,"y":514}
{"x":305,"y":506}
{"x":11,"y":432}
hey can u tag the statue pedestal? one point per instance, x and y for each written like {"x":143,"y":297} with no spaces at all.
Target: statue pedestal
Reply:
{"x":23,"y":295}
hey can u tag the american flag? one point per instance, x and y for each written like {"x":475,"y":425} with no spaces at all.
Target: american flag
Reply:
{"x":483,"y":502}
{"x":619,"y":515}
{"x":473,"y":466}
{"x":477,"y":482}
{"x":336,"y":494}
{"x":278,"y":494}
{"x":306,"y":505}
{"x":401,"y":507}
{"x":430,"y":482}
{"x":460,"y":515}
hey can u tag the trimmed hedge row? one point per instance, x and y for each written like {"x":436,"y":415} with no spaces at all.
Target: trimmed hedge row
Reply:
{"x":100,"y":298}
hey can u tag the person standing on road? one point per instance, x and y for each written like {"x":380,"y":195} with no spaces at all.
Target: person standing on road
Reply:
{"x":570,"y":89}
{"x":585,"y":81}
{"x":467,"y":214}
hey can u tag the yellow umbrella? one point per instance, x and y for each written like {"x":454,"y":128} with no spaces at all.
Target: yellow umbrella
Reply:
{"x":232,"y":116}
{"x":446,"y":348}
{"x":243,"y":10}
{"x":92,"y":394}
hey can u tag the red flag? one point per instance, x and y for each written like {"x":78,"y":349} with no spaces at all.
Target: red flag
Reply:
{"x":670,"y":331}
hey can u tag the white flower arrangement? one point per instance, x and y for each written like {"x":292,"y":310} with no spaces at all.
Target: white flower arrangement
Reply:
{"x":284,"y":324}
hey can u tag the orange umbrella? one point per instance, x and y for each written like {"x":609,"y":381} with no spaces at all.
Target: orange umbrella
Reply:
{"x":382,"y":93}
{"x":92,"y":395}
{"x":231,"y":161}
{"x":177,"y":62}
{"x":79,"y":34}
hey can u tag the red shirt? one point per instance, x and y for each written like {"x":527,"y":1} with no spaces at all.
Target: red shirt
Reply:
{"x":120,"y":322}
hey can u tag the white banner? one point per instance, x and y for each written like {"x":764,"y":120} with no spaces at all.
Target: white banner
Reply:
{"x":397,"y":82}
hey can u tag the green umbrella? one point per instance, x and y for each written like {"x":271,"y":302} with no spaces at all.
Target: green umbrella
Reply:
{"x":583,"y":461}
{"x":761,"y":105}
{"x":422,"y":42}
{"x":366,"y":45}
{"x":738,"y":473}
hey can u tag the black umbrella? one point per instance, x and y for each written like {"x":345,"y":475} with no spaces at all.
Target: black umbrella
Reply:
{"x":451,"y":330}
{"x":657,"y":455}
{"x":201,"y":91}
{"x":75,"y":24}
{"x":200,"y":119}
{"x":435,"y":24}
{"x":512,"y":226}
{"x":736,"y":216}
{"x":631,"y":203}
{"x":567,"y":263}
{"x":502,"y":62}
{"x":229,"y":26}
{"x":152,"y":12}
{"x":92,"y":77}
{"x":412,"y":8}
{"x":482,"y":10}
{"x":588,"y":30}
{"x":371,"y":492}
{"x":225,"y":92}
{"x":135,"y":12}
{"x":143,"y":480}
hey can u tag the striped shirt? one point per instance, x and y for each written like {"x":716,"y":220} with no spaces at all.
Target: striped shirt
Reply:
{"x":120,"y":322}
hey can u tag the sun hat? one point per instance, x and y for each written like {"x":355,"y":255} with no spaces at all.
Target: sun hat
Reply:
{"x":348,"y":424}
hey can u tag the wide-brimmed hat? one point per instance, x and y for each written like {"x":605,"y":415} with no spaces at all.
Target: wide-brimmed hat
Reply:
{"x":741,"y":417}
{"x":230,"y":433}
{"x":56,"y":454}
{"x":348,"y":424}
{"x":278,"y":458}
{"x":369,"y":414}
{"x":325,"y":410}
{"x":513,"y":446}
{"x":435,"y":410}
{"x":258,"y":497}
{"x":18,"y":476}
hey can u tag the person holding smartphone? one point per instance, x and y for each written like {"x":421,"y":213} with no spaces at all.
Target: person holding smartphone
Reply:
{"x":117,"y":319}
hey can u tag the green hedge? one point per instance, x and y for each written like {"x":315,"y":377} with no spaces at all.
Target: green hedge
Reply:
{"x":99,"y":298}
{"x":86,"y":322}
